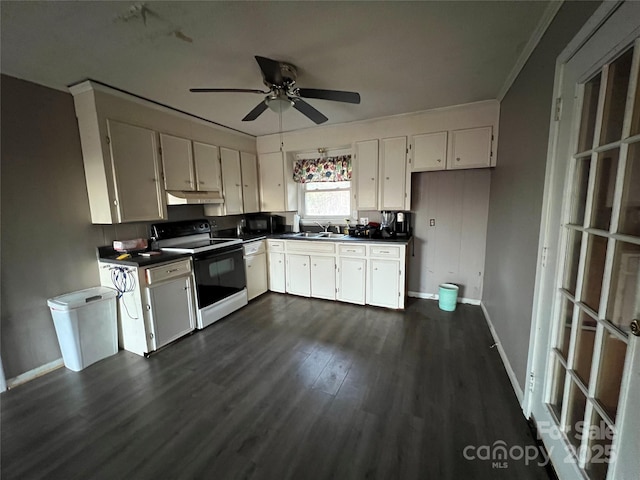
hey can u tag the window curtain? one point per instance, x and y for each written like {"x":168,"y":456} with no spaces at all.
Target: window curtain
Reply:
{"x":330,"y":169}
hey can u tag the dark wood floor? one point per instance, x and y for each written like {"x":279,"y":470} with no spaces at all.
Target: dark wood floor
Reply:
{"x":285,"y":388}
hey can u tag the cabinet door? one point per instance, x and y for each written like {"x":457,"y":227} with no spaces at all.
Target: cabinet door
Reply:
{"x":384,"y":283}
{"x":207,"y":163}
{"x":393,"y":167}
{"x":366,"y":175}
{"x":429,"y":152}
{"x":352,"y":280}
{"x":470,"y":148}
{"x":138,"y":189}
{"x":231,"y":180}
{"x":277,"y":274}
{"x":177,"y":161}
{"x":171,"y":310}
{"x":256,"y":273}
{"x":250,"y":194}
{"x":272,"y":188}
{"x":298,"y":275}
{"x":323,"y":277}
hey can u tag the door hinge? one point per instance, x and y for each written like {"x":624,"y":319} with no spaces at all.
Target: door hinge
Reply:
{"x":558,"y":109}
{"x":108,"y":140}
{"x":532,"y":382}
{"x":544,"y":256}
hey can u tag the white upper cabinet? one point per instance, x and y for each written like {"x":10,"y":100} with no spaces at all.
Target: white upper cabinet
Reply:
{"x":470,"y":148}
{"x":189,"y":166}
{"x":272,"y":186}
{"x":250,"y":193}
{"x":365,"y":171}
{"x":138,"y":194}
{"x":393,"y":174}
{"x":231,"y":181}
{"x":207,"y":164}
{"x":177,"y":160}
{"x":429,"y":152}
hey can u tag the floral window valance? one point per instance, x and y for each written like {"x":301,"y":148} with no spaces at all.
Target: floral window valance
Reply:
{"x":330,"y":169}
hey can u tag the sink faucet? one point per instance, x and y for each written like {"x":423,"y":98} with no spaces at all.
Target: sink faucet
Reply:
{"x":323,"y":227}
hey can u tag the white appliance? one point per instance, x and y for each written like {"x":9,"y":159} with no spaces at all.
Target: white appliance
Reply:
{"x":218,"y":266}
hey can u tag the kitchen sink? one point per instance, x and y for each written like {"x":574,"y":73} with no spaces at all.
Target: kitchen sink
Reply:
{"x":319,"y":235}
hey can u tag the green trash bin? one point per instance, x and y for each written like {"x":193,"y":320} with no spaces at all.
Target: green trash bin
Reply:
{"x":448,"y":297}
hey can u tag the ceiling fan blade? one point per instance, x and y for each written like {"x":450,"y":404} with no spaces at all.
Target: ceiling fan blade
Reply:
{"x":306,"y":109}
{"x":240,"y":90}
{"x":255,"y":113}
{"x":270,"y":70}
{"x":335,"y":95}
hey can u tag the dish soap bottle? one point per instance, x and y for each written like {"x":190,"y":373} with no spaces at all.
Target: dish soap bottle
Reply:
{"x":346,"y":227}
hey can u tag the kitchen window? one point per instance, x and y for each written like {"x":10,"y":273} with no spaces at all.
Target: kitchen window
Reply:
{"x":325,"y":186}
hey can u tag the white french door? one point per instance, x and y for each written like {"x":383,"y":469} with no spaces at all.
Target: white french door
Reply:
{"x":585,"y":390}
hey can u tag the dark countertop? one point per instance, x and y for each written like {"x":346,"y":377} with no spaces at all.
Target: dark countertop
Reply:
{"x":292,"y":236}
{"x":108,"y":254}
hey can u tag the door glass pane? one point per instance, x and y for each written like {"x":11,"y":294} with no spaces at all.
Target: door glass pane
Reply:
{"x":564,"y":335}
{"x":584,"y":347}
{"x":575,"y":414}
{"x":579,"y":199}
{"x":596,"y":253}
{"x":574,"y":238}
{"x":599,"y":450}
{"x":635,"y":119}
{"x":614,"y":351}
{"x":589,"y":110}
{"x":624,"y":295}
{"x":559,"y":375}
{"x":605,"y":184}
{"x":630,"y":214}
{"x":615,"y":99}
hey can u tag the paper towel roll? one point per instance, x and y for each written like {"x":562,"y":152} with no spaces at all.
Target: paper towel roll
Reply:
{"x":296,"y":223}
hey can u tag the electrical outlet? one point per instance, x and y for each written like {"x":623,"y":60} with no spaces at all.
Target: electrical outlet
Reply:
{"x":364,"y":220}
{"x":432,"y":222}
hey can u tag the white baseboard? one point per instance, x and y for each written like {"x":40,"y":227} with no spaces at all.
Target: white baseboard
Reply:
{"x":507,"y":365}
{"x":435,"y":296}
{"x":35,"y":373}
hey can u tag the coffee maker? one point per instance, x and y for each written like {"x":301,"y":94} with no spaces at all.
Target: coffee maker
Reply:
{"x":403,"y":224}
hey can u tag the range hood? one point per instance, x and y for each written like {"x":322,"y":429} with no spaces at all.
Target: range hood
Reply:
{"x":175,"y":197}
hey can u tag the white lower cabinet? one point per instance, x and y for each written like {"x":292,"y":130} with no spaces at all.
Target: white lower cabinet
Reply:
{"x":323,"y":277}
{"x":298,"y":275}
{"x":352,"y":276}
{"x":277,"y":268}
{"x":355,"y":272}
{"x":384,"y":283}
{"x":169,"y":303}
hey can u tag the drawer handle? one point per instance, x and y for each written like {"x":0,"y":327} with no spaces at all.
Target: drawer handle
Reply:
{"x":173,"y":270}
{"x":383,"y":251}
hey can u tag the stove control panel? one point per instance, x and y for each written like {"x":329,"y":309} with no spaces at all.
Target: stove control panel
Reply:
{"x":163,"y":231}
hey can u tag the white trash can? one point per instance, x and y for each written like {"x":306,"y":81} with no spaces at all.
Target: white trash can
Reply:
{"x":86,"y":325}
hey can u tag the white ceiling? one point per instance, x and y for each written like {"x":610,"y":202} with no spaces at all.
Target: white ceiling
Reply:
{"x":401,"y":56}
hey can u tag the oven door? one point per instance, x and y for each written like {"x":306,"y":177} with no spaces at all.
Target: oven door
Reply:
{"x":219,"y":273}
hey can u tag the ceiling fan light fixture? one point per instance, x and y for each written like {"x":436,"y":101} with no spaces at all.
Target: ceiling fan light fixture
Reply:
{"x":278,"y":103}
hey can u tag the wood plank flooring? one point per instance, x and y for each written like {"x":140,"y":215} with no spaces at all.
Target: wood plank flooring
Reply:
{"x":286,"y":388}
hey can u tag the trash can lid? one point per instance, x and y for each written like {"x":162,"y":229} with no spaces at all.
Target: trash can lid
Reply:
{"x":70,"y":301}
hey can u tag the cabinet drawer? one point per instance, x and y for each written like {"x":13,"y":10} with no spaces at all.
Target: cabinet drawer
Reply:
{"x":253,"y":248}
{"x":384,"y":251}
{"x":311,"y":246}
{"x":168,"y":270}
{"x":352,"y":250}
{"x":275,"y":245}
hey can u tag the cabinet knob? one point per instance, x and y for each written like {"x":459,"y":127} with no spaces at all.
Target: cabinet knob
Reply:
{"x":360,"y":268}
{"x":237,"y":184}
{"x":201,"y":182}
{"x":246,"y":186}
{"x":248,"y":266}
{"x":387,"y":178}
{"x":373,"y":179}
{"x":458,"y":159}
{"x":279,"y":184}
{"x":439,"y":160}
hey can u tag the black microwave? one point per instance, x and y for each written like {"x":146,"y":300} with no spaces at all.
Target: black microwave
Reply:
{"x":265,"y":223}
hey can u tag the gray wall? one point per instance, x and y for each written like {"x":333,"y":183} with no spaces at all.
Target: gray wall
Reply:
{"x":453,"y":250}
{"x":517,"y":186}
